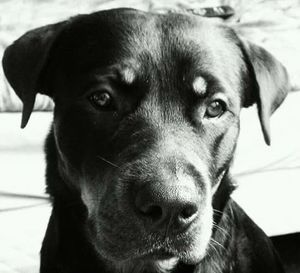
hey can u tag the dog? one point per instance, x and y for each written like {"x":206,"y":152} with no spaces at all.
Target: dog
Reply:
{"x":145,"y":126}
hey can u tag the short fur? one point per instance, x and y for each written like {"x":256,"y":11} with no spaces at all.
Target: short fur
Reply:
{"x":145,"y":186}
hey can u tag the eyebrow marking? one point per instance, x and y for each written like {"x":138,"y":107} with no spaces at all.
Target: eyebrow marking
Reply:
{"x":128,"y":75}
{"x":200,"y":85}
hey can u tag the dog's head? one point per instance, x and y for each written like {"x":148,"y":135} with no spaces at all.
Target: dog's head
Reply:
{"x":146,"y":120}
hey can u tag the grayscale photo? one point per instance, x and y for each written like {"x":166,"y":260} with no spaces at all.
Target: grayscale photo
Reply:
{"x":150,"y":136}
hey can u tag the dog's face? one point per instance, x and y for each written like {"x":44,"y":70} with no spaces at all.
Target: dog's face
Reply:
{"x":146,"y":122}
{"x":162,"y":107}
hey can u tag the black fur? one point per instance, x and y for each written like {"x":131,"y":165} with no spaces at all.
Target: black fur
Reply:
{"x":147,"y":179}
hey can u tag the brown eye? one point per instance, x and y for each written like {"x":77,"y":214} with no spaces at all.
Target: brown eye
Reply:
{"x":215,"y":109}
{"x":102,"y":100}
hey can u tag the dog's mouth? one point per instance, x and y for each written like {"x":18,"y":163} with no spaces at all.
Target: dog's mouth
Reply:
{"x":158,"y":254}
{"x":188,"y":254}
{"x":189,"y":247}
{"x":164,"y":254}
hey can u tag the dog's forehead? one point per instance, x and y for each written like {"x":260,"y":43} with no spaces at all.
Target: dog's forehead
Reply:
{"x":141,"y":41}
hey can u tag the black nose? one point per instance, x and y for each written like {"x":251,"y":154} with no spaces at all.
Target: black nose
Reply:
{"x":166,"y":205}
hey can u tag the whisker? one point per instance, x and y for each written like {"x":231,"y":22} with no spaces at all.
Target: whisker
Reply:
{"x":213,"y":248}
{"x":222,"y":230}
{"x":227,"y":217}
{"x":208,"y":250}
{"x":167,"y":229}
{"x":219,"y":244}
{"x":107,"y":161}
{"x":218,"y":211}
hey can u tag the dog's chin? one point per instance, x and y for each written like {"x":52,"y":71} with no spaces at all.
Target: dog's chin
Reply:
{"x":144,"y":265}
{"x":189,"y":247}
{"x":188,"y":250}
{"x":133,"y":246}
{"x":159,"y":261}
{"x":191,"y":256}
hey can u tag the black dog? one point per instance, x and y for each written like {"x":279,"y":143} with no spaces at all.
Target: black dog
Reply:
{"x":145,"y":126}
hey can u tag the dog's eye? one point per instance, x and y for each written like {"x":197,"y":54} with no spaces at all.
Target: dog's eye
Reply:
{"x":215,"y":109}
{"x":101,"y":100}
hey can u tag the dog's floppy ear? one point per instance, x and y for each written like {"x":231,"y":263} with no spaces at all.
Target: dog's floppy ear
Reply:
{"x":24,"y":60}
{"x":270,"y":82}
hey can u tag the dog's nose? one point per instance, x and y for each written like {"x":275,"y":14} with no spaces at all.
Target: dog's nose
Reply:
{"x":167,"y":206}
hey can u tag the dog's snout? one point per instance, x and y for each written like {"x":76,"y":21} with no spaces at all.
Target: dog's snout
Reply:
{"x":167,"y":206}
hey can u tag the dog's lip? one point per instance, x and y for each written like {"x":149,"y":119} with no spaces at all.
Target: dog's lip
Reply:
{"x":174,"y":248}
{"x":159,"y":254}
{"x":178,"y":249}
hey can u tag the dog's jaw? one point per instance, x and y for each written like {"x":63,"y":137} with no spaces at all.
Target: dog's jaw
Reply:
{"x":217,"y":255}
{"x":149,"y":253}
{"x":191,"y":249}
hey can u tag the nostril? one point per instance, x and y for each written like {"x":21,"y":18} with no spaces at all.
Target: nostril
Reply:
{"x":161,"y":206}
{"x":188,"y":212}
{"x":152,"y":211}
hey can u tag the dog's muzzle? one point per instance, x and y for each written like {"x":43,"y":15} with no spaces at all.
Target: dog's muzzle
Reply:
{"x":162,"y":209}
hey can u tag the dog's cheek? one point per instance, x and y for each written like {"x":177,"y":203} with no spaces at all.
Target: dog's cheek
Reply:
{"x":81,"y":134}
{"x":222,"y":151}
{"x":71,"y":136}
{"x":227,"y":147}
{"x":97,"y":192}
{"x":108,"y":228}
{"x":89,"y":198}
{"x":99,"y":222}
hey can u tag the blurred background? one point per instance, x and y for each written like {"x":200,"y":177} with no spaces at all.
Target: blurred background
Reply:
{"x":268,"y":177}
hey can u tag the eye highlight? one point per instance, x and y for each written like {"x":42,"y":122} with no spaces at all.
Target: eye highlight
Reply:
{"x":215,"y":109}
{"x":102,"y":100}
